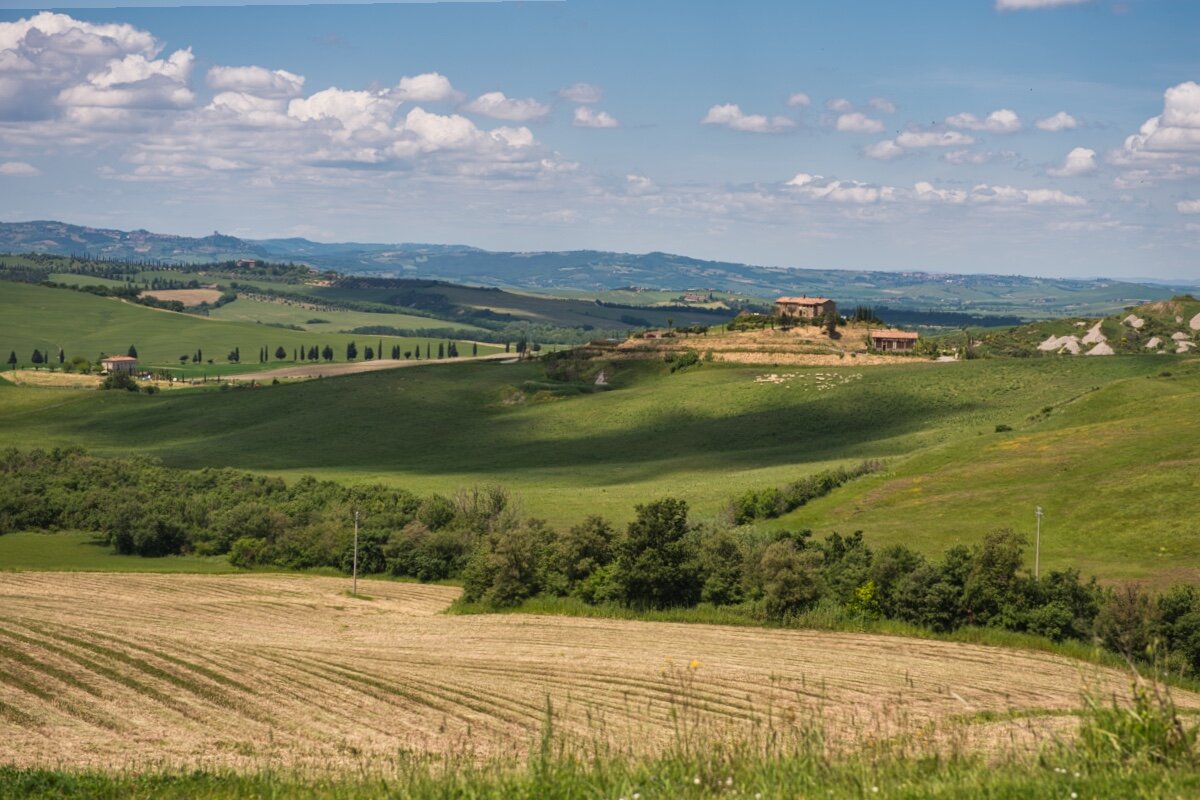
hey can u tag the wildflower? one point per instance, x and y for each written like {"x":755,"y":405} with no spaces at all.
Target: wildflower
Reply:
{"x":696,"y":781}
{"x":695,"y":664}
{"x":729,"y":781}
{"x":874,"y":790}
{"x":1073,"y":796}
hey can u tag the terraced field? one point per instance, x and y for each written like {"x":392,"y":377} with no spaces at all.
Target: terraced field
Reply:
{"x":124,"y":671}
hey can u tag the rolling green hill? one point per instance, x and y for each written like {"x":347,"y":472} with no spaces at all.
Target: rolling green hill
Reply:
{"x":86,"y":325}
{"x":1100,"y":461}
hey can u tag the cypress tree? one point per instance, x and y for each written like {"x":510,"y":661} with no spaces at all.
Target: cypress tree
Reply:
{"x":427,"y":350}
{"x":474,"y":348}
{"x":132,"y":352}
{"x":12,"y":359}
{"x":441,"y":351}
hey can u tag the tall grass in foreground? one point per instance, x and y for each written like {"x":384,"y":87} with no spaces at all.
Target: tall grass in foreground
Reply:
{"x":1135,"y":746}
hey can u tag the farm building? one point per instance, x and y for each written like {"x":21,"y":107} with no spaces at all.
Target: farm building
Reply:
{"x":115,"y":364}
{"x":893,"y":340}
{"x":804,"y":307}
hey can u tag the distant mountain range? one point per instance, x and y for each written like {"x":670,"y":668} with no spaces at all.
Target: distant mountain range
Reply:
{"x":600,"y":271}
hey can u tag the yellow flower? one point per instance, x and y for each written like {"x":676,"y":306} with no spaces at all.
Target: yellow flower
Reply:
{"x":695,"y":664}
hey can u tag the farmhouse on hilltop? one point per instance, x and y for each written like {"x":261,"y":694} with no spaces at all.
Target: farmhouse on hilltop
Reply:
{"x":893,"y":340}
{"x":116,"y":364}
{"x":804,"y":307}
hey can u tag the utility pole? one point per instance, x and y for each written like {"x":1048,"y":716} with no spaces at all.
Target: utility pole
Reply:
{"x":1037,"y":548}
{"x":354,"y":591}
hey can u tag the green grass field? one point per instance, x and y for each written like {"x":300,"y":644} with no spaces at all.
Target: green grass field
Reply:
{"x":1117,"y":483}
{"x":82,"y":324}
{"x":248,"y":310}
{"x":81,"y":552}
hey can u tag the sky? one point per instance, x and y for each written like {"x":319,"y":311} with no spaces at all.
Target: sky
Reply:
{"x":1036,"y":137}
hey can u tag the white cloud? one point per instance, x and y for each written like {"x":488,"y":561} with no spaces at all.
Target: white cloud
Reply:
{"x":428,"y":87}
{"x":51,"y":63}
{"x":882,"y":105}
{"x":1009,"y":195}
{"x":1080,"y":161}
{"x":731,"y":116}
{"x":799,"y":100}
{"x":922,"y":139}
{"x":818,"y":188}
{"x":1166,"y":146}
{"x":257,"y":81}
{"x":1062,"y":121}
{"x":582,"y":93}
{"x":1188,"y":206}
{"x":977,"y":157}
{"x":585,"y":117}
{"x":884,"y":151}
{"x":857,"y":122}
{"x":839,"y":104}
{"x":353,"y":110}
{"x":19,"y":169}
{"x":1000,"y":121}
{"x":1017,"y":5}
{"x":639,"y":185}
{"x":499,"y":106}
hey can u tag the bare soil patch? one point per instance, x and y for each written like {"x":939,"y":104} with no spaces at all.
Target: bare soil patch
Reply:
{"x":252,"y":671}
{"x":189,"y":297}
{"x":57,"y":380}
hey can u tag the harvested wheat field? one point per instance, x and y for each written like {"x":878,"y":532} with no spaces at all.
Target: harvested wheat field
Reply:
{"x":250,"y":671}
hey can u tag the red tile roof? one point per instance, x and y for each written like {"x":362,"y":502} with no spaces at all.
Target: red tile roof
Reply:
{"x":894,"y":335}
{"x":117,"y":358}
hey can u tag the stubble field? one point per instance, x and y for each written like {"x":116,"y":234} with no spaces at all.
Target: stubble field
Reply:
{"x":247,"y":672}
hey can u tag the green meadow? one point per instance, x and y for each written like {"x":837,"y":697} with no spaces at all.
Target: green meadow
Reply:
{"x":82,"y":552}
{"x":1112,"y":460}
{"x":260,"y":311}
{"x":83,"y":324}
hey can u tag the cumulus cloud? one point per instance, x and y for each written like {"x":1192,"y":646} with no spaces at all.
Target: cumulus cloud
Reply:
{"x":1000,"y":121}
{"x":1080,"y":161}
{"x":839,"y":104}
{"x":1062,"y":121}
{"x":730,"y":115}
{"x":913,"y":140}
{"x":882,"y":105}
{"x":586,"y":117}
{"x":639,"y":185}
{"x":884,"y":151}
{"x":351,"y":110}
{"x":19,"y":169}
{"x":428,"y":87}
{"x":499,"y":106}
{"x":257,"y":81}
{"x":1168,"y":145}
{"x":1188,"y":206}
{"x":799,"y":100}
{"x":582,"y":93}
{"x":1018,"y":5}
{"x":857,"y":122}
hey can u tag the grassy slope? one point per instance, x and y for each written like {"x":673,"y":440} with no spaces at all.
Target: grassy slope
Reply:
{"x":703,"y":435}
{"x":80,"y":552}
{"x":1117,"y":472}
{"x":247,"y":310}
{"x":38,"y":317}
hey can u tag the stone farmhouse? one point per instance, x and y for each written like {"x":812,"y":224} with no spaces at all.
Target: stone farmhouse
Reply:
{"x":894,"y":340}
{"x":804,"y":307}
{"x":116,"y":364}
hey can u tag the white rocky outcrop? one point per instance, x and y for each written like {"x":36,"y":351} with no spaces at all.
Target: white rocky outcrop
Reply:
{"x":1094,"y":335}
{"x":1184,"y":347}
{"x":1153,"y":343}
{"x":1180,"y":336}
{"x":1061,"y":344}
{"x":1195,"y":323}
{"x":1134,"y":321}
{"x":1101,"y":349}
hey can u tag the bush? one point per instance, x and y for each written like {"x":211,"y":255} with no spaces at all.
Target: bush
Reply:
{"x":657,"y":564}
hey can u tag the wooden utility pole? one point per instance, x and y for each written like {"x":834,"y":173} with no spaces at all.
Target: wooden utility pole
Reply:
{"x":354,"y":591}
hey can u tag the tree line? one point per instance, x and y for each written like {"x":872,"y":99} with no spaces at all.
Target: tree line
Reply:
{"x":662,"y":559}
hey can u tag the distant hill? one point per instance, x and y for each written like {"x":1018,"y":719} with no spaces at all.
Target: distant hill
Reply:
{"x":598,"y":271}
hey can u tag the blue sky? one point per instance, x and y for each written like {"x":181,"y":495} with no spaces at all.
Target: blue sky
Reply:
{"x":1052,"y":137}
